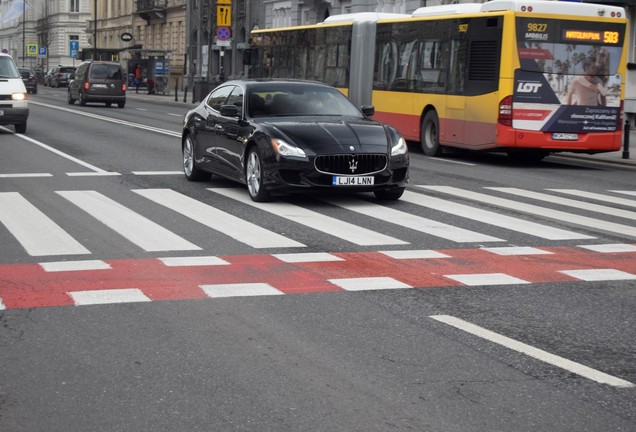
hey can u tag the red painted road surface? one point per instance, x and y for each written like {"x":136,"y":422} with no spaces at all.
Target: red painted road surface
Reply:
{"x":31,"y":286}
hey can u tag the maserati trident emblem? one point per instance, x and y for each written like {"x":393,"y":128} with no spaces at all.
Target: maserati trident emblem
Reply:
{"x":353,"y":165}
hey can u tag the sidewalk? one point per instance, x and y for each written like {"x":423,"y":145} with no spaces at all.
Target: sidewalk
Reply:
{"x":610,"y":157}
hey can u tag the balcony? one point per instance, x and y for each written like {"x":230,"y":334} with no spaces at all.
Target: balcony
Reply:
{"x":152,"y":10}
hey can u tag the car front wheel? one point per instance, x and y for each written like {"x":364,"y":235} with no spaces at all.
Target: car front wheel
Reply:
{"x":254,"y":177}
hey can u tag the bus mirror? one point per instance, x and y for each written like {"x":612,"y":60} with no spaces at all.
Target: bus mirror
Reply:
{"x":250,"y":57}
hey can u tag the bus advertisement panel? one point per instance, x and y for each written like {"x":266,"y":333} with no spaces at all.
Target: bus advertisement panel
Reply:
{"x":569,"y":81}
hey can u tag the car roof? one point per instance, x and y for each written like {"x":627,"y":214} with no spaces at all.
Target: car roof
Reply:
{"x":255,"y":81}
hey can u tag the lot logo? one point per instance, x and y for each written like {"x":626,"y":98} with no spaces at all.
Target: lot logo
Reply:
{"x":529,"y":87}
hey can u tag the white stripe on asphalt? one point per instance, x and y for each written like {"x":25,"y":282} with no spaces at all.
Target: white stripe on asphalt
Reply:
{"x":597,"y":275}
{"x":38,"y":234}
{"x":328,"y":225}
{"x":610,"y":248}
{"x":136,"y":228}
{"x":486,"y":279}
{"x":414,"y":254}
{"x":307,"y":257}
{"x":569,"y":218}
{"x":108,"y":296}
{"x":516,"y":250}
{"x":26,"y":175}
{"x":61,"y":266}
{"x":369,"y":283}
{"x":492,"y":218}
{"x":414,"y":222}
{"x":568,"y":202}
{"x":626,"y":192}
{"x":533,"y":352}
{"x":240,"y":290}
{"x":193,"y":261}
{"x":598,"y":197}
{"x":225,"y":223}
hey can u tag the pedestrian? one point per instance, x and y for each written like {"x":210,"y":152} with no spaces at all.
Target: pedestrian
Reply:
{"x":137,"y":77}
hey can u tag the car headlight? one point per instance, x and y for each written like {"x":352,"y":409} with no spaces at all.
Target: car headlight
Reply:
{"x":400,"y":148}
{"x":19,"y":96}
{"x":287,"y":150}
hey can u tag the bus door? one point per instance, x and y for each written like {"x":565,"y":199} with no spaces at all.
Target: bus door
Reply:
{"x":452,"y":127}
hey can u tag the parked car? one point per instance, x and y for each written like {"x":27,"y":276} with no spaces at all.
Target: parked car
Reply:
{"x":98,"y":81}
{"x":14,"y":99}
{"x":29,"y":80}
{"x":290,"y":135}
{"x":61,"y":75}
{"x":47,"y":77}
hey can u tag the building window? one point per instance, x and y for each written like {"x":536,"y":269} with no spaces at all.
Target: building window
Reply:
{"x":74,"y":5}
{"x":282,"y":14}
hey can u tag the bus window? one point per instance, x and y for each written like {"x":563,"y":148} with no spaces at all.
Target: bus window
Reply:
{"x":457,"y":67}
{"x":386,"y":65}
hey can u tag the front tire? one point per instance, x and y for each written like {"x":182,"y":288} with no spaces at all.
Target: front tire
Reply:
{"x":429,"y":134}
{"x":20,"y":128}
{"x":254,"y":177}
{"x":389,"y":194}
{"x":192,"y":172}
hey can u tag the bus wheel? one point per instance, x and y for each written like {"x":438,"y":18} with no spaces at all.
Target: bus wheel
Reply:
{"x":429,"y":134}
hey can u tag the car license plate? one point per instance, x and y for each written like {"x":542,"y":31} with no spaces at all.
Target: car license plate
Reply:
{"x":352,"y":181}
{"x":100,"y":86}
{"x":565,"y":136}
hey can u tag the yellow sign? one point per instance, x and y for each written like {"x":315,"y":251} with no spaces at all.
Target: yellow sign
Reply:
{"x":224,"y":16}
{"x":32,"y":49}
{"x":224,"y":2}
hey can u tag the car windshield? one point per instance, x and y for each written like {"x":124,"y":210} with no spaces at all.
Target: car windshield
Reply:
{"x":7,"y":68}
{"x":276,"y":99}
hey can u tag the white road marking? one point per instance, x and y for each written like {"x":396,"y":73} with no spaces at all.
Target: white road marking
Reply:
{"x":2,"y":306}
{"x":240,"y":290}
{"x":92,"y":174}
{"x":569,"y":218}
{"x":610,"y":248}
{"x":108,"y":296}
{"x":26,"y":175}
{"x":193,"y":261}
{"x":136,"y":228}
{"x":486,"y":279}
{"x":568,"y":202}
{"x":307,"y":257}
{"x":225,"y":223}
{"x":320,"y":222}
{"x":626,"y":192}
{"x":533,"y":352}
{"x":597,"y":275}
{"x":516,"y":250}
{"x":598,"y":197}
{"x":369,"y":283}
{"x":492,"y":218}
{"x":158,"y":173}
{"x":61,"y":266}
{"x":414,"y":254}
{"x":411,"y":221}
{"x":38,"y":234}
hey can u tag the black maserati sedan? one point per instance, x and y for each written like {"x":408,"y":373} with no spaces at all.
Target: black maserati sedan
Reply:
{"x":283,"y":136}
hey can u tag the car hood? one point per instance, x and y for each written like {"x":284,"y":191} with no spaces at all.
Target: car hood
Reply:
{"x":338,"y":136}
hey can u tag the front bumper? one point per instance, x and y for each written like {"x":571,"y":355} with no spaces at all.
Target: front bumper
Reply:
{"x":12,"y":115}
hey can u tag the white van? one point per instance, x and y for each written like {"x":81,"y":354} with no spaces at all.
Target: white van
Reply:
{"x":14,"y":103}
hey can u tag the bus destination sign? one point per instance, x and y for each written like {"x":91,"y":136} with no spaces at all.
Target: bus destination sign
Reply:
{"x":606,"y":37}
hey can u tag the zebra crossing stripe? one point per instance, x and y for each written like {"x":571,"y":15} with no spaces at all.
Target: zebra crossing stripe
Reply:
{"x":411,"y":221}
{"x":240,"y":290}
{"x":320,"y":222}
{"x":61,"y":266}
{"x":598,"y":197}
{"x":562,"y":216}
{"x":597,"y":275}
{"x":369,"y":283}
{"x":626,"y":192}
{"x":568,"y":202}
{"x":227,"y":224}
{"x":136,"y":228}
{"x":2,"y":307}
{"x":486,"y":279}
{"x":38,"y":234}
{"x":108,"y":296}
{"x":492,"y":218}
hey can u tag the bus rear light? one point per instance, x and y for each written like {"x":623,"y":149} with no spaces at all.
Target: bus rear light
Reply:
{"x":505,"y":111}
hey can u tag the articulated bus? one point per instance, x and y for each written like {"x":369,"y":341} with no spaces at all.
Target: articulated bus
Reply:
{"x":526,"y":77}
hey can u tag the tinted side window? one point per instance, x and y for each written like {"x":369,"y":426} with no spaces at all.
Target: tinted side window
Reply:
{"x":236,"y":98}
{"x":218,"y":97}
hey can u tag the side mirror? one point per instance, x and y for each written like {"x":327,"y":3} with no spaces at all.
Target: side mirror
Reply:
{"x":367,"y":110}
{"x":229,"y":111}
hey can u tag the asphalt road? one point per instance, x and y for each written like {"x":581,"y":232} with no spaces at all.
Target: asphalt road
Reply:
{"x":318,"y":313}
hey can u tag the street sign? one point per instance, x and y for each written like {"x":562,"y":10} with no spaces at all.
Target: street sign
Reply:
{"x":42,"y":52}
{"x":223,"y":16}
{"x":228,"y":2}
{"x":73,"y":48}
{"x":223,"y":33}
{"x":32,"y":49}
